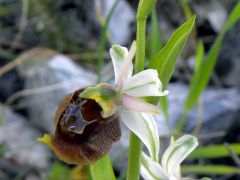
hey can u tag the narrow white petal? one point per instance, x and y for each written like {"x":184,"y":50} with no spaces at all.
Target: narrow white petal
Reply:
{"x":127,"y":66}
{"x":118,"y":55}
{"x":151,"y":170}
{"x":145,"y":127}
{"x":139,"y":105}
{"x":177,"y":152}
{"x":145,"y":83}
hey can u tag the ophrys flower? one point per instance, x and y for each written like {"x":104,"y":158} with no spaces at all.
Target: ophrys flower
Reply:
{"x":87,"y":122}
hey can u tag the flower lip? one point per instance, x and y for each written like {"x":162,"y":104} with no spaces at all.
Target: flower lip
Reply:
{"x":82,"y":146}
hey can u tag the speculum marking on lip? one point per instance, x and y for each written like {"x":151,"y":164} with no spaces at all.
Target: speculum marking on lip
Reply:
{"x":74,"y":120}
{"x":82,"y":135}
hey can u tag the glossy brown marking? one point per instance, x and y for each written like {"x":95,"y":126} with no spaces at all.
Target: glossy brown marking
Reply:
{"x":82,"y":135}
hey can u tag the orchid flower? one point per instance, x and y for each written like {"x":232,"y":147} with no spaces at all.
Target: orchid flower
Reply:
{"x":169,"y":169}
{"x":126,"y":97}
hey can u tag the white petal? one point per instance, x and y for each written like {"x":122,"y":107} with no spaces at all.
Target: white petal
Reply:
{"x":151,"y":170}
{"x":145,"y":127}
{"x":177,"y":152}
{"x":145,"y":83}
{"x":118,"y":56}
{"x":139,"y":105}
{"x":127,"y":66}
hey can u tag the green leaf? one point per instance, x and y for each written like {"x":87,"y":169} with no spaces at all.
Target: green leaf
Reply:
{"x":215,"y":151}
{"x":202,"y":76}
{"x":164,"y":106}
{"x":210,"y":169}
{"x":58,"y":171}
{"x":186,"y":8}
{"x":103,"y":37}
{"x":102,"y":169}
{"x":155,"y":45}
{"x":155,"y":42}
{"x":199,"y":56}
{"x":165,"y":60}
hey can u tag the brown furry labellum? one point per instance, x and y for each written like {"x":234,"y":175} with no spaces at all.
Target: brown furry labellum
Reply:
{"x":81,"y":134}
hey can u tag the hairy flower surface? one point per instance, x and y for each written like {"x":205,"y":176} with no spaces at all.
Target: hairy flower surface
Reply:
{"x":87,"y":121}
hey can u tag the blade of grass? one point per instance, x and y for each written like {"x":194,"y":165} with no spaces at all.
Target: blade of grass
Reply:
{"x":155,"y":46}
{"x":210,"y":169}
{"x":202,"y":75}
{"x":208,"y":65}
{"x":155,"y":38}
{"x":215,"y":151}
{"x":186,"y":8}
{"x":103,"y":36}
{"x":199,"y":56}
{"x":164,"y":61}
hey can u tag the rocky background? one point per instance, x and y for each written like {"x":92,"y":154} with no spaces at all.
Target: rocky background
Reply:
{"x":49,"y":48}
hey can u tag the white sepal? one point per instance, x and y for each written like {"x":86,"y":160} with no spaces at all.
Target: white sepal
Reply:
{"x":151,"y":170}
{"x":127,"y":67}
{"x":118,"y":55}
{"x":138,"y":105}
{"x":177,"y":152}
{"x":145,"y":127}
{"x":145,"y":83}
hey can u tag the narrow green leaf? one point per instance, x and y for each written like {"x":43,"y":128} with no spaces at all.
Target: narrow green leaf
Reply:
{"x":202,"y":76}
{"x":215,"y":151}
{"x":155,"y":46}
{"x":210,"y":169}
{"x":165,"y":60}
{"x":164,"y":106}
{"x":102,"y":169}
{"x":103,"y":36}
{"x":58,"y":171}
{"x":186,"y":8}
{"x":199,"y":56}
{"x":155,"y":39}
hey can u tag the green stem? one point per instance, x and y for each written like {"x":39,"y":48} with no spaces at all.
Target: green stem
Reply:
{"x":140,"y":53}
{"x":134,"y":152}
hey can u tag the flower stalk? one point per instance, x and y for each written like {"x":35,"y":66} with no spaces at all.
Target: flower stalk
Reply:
{"x":134,"y":152}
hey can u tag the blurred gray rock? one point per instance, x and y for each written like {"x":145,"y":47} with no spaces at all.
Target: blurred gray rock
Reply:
{"x":49,"y":77}
{"x":228,"y":66}
{"x":219,"y":107}
{"x":213,"y":11}
{"x":119,"y":25}
{"x":19,"y":140}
